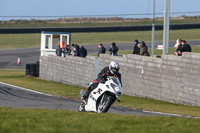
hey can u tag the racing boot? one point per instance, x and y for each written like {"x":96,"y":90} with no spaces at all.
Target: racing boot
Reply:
{"x":86,"y":95}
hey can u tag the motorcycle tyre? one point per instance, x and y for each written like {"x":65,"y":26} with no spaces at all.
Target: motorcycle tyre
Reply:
{"x":109,"y":101}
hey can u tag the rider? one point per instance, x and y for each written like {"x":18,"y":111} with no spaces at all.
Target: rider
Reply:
{"x":111,"y":70}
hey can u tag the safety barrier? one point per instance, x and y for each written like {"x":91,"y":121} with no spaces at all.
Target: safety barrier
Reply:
{"x":98,"y":29}
{"x":170,"y":78}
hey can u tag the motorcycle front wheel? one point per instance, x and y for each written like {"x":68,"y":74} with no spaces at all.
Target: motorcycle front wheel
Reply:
{"x":104,"y":104}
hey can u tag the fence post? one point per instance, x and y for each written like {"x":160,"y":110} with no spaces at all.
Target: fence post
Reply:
{"x":3,"y":20}
{"x":131,"y":17}
{"x":81,"y":19}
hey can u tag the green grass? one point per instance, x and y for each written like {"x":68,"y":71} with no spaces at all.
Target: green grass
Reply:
{"x":90,"y":24}
{"x":11,"y":41}
{"x":14,"y":120}
{"x":62,"y":121}
{"x":16,"y":77}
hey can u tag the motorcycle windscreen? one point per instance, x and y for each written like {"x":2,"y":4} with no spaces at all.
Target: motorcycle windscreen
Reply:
{"x":115,"y":80}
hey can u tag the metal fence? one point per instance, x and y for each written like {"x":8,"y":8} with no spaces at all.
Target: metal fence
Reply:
{"x":94,"y":18}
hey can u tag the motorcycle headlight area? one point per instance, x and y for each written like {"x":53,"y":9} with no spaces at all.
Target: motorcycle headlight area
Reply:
{"x":116,"y":88}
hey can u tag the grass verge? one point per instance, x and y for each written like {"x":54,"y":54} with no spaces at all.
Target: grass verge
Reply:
{"x":11,"y":41}
{"x":17,"y":77}
{"x":62,"y":121}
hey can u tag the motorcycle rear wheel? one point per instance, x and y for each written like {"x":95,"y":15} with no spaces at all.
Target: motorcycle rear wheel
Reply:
{"x":105,"y":104}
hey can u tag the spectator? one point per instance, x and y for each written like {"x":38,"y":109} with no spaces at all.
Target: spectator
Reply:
{"x":184,"y":47}
{"x":68,"y":50}
{"x":82,"y":52}
{"x":187,"y":47}
{"x":62,"y":47}
{"x":75,"y":50}
{"x":136,"y":49}
{"x":72,"y":51}
{"x":102,"y":49}
{"x":177,"y":46}
{"x":113,"y":49}
{"x":58,"y":50}
{"x":143,"y":49}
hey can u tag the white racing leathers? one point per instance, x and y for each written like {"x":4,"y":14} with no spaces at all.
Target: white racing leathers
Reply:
{"x":102,"y":97}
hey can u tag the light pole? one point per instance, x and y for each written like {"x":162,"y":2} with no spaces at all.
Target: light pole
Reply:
{"x":153,"y":30}
{"x":166,"y":27}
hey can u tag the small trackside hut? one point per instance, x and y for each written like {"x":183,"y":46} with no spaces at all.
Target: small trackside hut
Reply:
{"x":50,"y":40}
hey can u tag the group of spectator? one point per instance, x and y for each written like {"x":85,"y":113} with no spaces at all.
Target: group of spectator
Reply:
{"x":113,"y":49}
{"x":74,"y":50}
{"x":181,"y":46}
{"x":78,"y":50}
{"x":140,"y":48}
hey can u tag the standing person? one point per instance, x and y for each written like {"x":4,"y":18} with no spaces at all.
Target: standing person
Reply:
{"x":187,"y":46}
{"x":102,"y":49}
{"x":177,"y":46}
{"x":184,"y":47}
{"x":82,"y":52}
{"x":75,"y":52}
{"x":68,"y":50}
{"x":136,"y":49}
{"x":75,"y":49}
{"x":72,"y":50}
{"x":113,"y":49}
{"x":58,"y":50}
{"x":62,"y":47}
{"x":143,"y":49}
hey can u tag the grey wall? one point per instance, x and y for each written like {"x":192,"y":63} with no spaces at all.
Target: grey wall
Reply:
{"x":170,"y":78}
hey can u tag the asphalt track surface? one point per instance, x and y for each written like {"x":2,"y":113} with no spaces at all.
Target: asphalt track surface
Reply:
{"x":17,"y":97}
{"x":8,"y":58}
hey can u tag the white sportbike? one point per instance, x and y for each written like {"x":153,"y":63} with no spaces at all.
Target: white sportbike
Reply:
{"x":102,"y":97}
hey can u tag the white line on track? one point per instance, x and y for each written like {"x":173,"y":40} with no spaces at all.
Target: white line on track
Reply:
{"x":21,"y":88}
{"x":171,"y":114}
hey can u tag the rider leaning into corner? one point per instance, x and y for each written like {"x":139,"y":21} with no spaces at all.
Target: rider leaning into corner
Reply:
{"x":111,"y":70}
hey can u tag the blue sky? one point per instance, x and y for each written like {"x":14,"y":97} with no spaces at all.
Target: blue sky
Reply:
{"x":90,"y":7}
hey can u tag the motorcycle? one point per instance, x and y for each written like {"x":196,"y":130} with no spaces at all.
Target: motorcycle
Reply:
{"x":102,"y":97}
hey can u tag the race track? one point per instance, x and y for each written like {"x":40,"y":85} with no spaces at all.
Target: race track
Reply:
{"x":17,"y":97}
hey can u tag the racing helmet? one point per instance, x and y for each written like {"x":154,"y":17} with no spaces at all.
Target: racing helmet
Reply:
{"x":114,"y":67}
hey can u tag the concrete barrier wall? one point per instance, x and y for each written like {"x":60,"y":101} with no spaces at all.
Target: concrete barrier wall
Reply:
{"x":170,"y":78}
{"x":70,"y":70}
